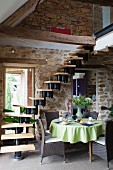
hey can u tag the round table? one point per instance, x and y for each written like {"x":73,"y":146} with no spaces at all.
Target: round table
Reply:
{"x":75,"y":132}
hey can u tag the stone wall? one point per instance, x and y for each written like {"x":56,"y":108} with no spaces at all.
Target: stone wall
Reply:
{"x":97,"y":18}
{"x":91,"y":86}
{"x":1,"y":96}
{"x":105,"y":90}
{"x":47,"y":63}
{"x":67,"y":14}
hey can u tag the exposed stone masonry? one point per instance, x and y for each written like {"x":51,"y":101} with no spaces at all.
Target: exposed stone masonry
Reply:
{"x":67,"y":14}
{"x":43,"y":71}
{"x":97,"y":18}
{"x":82,"y":20}
{"x":105,"y":90}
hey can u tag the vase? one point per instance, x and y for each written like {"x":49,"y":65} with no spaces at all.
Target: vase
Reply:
{"x":79,"y":113}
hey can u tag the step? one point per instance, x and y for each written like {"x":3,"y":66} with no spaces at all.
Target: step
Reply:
{"x":75,"y":58}
{"x":82,"y":51}
{"x":36,"y":98}
{"x":68,"y":66}
{"x":17,"y":148}
{"x":30,"y":107}
{"x":14,"y":125}
{"x":51,"y":81}
{"x":17,"y":136}
{"x":16,"y":114}
{"x":44,"y":90}
{"x":61,"y":73}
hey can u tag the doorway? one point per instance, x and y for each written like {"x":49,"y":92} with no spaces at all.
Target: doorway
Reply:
{"x":19,"y":86}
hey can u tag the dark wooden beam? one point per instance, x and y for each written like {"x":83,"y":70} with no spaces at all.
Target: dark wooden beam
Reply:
{"x":22,"y":60}
{"x":48,"y":36}
{"x":100,"y":2}
{"x":17,"y":15}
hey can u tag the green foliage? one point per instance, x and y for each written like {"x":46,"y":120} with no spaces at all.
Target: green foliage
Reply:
{"x":81,"y":101}
{"x":8,"y":93}
{"x":111,"y":111}
{"x":33,"y":120}
{"x":11,"y":78}
{"x":8,"y":97}
{"x":11,"y":119}
{"x":22,"y":109}
{"x":7,"y":110}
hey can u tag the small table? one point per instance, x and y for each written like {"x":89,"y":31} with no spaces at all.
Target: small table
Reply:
{"x":75,"y":132}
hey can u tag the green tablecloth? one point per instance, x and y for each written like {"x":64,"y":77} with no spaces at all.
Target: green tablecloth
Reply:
{"x":75,"y":132}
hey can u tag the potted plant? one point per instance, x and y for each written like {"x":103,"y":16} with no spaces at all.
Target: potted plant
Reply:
{"x":81,"y":101}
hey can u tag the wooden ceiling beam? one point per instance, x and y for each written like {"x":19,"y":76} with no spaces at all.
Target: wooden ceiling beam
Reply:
{"x":21,"y":60}
{"x":17,"y":15}
{"x":100,"y":2}
{"x":48,"y":36}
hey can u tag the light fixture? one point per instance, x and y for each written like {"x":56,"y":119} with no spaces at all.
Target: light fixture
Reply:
{"x":13,"y":51}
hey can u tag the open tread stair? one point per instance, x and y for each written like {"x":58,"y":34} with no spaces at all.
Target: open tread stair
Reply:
{"x":16,"y":114}
{"x":32,"y":107}
{"x":51,"y":81}
{"x":36,"y":98}
{"x":17,"y":148}
{"x":68,"y":66}
{"x":44,"y":90}
{"x":15,"y":125}
{"x":74,"y":58}
{"x":60,"y":73}
{"x":17,"y":136}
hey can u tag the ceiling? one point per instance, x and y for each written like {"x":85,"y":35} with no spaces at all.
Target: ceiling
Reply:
{"x":8,"y":7}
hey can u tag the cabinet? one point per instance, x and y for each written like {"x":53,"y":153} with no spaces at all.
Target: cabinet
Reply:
{"x":79,"y":87}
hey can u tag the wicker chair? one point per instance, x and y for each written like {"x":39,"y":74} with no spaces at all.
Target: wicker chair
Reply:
{"x":50,"y":116}
{"x":50,"y":146}
{"x":92,"y":114}
{"x":103,"y":147}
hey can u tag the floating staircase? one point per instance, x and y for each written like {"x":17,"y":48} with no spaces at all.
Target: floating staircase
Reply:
{"x":73,"y":61}
{"x":23,"y":122}
{"x":61,"y":76}
{"x":53,"y":84}
{"x":46,"y":92}
{"x":64,"y":72}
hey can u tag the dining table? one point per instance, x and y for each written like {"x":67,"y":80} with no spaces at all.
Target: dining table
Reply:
{"x":74,"y":131}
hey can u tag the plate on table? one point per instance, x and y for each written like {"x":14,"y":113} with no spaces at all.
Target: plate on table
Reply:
{"x":58,"y":122}
{"x":64,"y":123}
{"x":88,"y":123}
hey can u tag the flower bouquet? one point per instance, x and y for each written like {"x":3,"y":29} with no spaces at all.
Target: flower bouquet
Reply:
{"x":81,"y":101}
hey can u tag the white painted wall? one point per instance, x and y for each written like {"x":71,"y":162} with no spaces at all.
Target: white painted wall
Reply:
{"x":8,"y":7}
{"x":104,"y":41}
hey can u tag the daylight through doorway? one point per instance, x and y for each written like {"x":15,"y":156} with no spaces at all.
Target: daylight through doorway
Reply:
{"x":18,"y":87}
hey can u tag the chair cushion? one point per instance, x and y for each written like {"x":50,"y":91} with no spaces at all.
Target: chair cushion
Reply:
{"x":101,"y":140}
{"x":50,"y":140}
